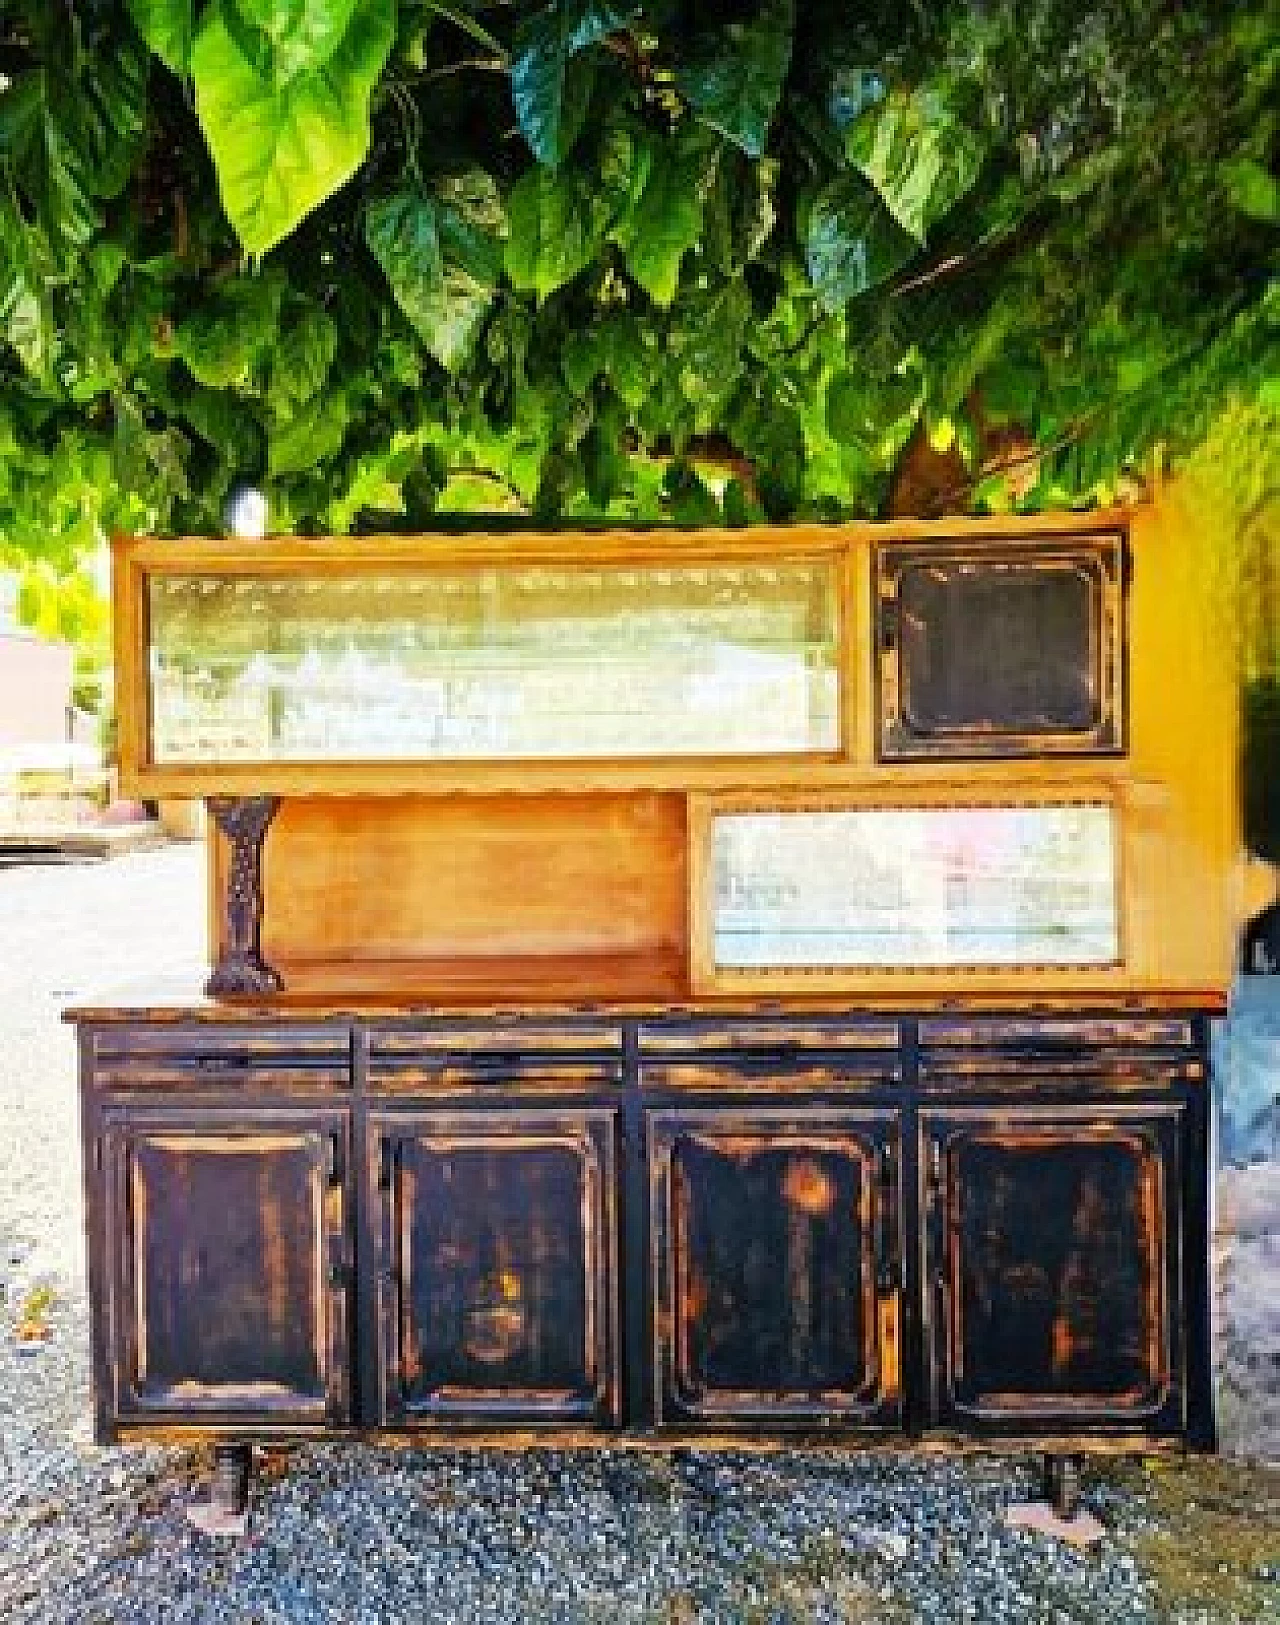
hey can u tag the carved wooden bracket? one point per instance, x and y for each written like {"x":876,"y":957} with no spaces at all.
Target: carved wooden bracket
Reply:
{"x":244,"y":820}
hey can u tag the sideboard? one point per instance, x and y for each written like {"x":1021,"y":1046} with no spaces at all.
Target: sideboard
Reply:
{"x":676,"y":984}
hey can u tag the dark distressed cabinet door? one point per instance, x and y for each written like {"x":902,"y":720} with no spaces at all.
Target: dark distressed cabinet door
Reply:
{"x":1001,"y":648}
{"x":229,"y":1256}
{"x":775,"y":1265}
{"x":1052,"y":1265}
{"x":495,"y":1242}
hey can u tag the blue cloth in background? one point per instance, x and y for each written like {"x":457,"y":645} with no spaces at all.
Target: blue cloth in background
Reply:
{"x":1246,"y":1066}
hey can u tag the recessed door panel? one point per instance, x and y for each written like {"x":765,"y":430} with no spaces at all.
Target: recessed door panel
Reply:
{"x":1053,"y":1246}
{"x":775,"y":1267}
{"x":496,"y":1234}
{"x":230,"y":1257}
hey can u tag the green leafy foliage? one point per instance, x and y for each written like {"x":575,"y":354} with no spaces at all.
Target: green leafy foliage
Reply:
{"x":393,"y":259}
{"x":442,"y":259}
{"x":665,"y":218}
{"x":918,"y":156}
{"x":551,"y":88}
{"x":288,"y":124}
{"x":557,"y":227}
{"x":167,"y":27}
{"x":735,"y":75}
{"x":853,"y":242}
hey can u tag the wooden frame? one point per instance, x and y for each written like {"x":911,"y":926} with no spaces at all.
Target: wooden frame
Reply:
{"x":876,"y":981}
{"x":847,"y":549}
{"x":400,"y":1132}
{"x":1099,"y":556}
{"x":869,"y":1138}
{"x":316,"y":1141}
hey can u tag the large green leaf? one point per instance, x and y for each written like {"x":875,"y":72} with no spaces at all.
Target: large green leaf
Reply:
{"x":301,"y":359}
{"x":279,"y":150}
{"x":917,"y":154}
{"x":665,"y":220}
{"x":438,"y":266}
{"x":549,"y":90}
{"x":298,"y":36}
{"x":112,"y":104}
{"x":473,"y":224}
{"x":1253,"y":189}
{"x":167,"y":27}
{"x":852,"y":242}
{"x":313,"y":434}
{"x":707,"y":345}
{"x":220,"y":417}
{"x":42,"y":135}
{"x":557,"y":227}
{"x":736,"y":76}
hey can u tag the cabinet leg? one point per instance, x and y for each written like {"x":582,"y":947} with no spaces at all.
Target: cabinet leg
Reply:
{"x":226,"y":1512}
{"x":1062,"y":1483}
{"x":1060,"y":1514}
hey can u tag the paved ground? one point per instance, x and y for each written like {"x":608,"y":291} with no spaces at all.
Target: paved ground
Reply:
{"x":346,"y":1533}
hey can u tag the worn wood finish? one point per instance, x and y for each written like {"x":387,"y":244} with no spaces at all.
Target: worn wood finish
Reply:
{"x":497,"y":1244}
{"x":775,"y":1267}
{"x":846,"y":548}
{"x":229,"y":1249}
{"x":240,"y":967}
{"x":1053,"y":1250}
{"x":480,"y":891}
{"x":782,"y":1223}
{"x":372,"y":889}
{"x":1001,"y":646}
{"x":509,"y":1150}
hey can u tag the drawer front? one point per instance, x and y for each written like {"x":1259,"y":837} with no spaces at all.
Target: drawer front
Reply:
{"x":275,"y":1058}
{"x":776,"y":1267}
{"x":496,"y":1261}
{"x":229,"y":1257}
{"x":1108,"y":1052}
{"x":747,"y":1038}
{"x":399,"y":1059}
{"x":1052,"y":1262}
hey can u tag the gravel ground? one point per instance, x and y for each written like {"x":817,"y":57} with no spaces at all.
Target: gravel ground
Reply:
{"x":351,"y":1533}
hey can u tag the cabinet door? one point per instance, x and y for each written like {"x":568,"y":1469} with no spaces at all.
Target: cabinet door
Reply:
{"x":1052,"y":1257}
{"x":229,"y":1252}
{"x":496,"y":1264}
{"x":998,"y":648}
{"x":775,"y":1265}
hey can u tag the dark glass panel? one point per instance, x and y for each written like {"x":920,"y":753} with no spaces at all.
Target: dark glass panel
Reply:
{"x":995,"y":646}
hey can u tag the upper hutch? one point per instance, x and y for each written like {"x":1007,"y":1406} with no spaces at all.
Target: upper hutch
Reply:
{"x":689,"y":981}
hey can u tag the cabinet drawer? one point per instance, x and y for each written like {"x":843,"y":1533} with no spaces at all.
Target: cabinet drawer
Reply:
{"x":271,"y":1058}
{"x":541,"y":1055}
{"x":1108,"y":1051}
{"x":750,"y":1039}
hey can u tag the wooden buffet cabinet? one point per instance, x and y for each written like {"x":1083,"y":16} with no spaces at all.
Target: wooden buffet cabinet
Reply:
{"x":694,"y":984}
